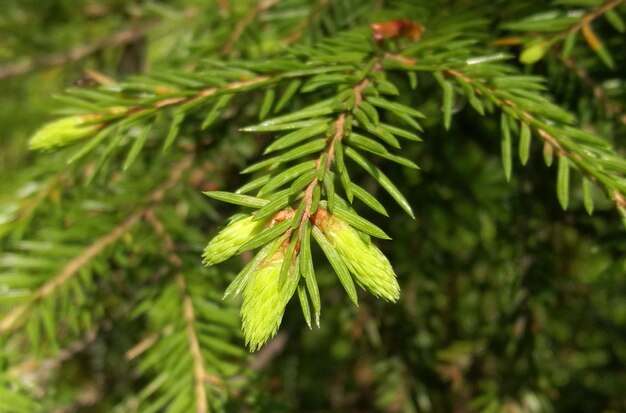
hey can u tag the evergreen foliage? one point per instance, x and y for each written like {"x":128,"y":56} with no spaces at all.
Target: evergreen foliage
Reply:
{"x":427,"y":198}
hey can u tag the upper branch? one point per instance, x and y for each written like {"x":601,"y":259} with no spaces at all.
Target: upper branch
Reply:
{"x":76,"y":53}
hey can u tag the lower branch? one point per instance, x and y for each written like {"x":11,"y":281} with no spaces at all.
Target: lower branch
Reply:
{"x":13,"y":318}
{"x":188,"y":313}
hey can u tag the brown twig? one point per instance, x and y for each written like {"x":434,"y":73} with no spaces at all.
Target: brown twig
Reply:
{"x":551,"y":140}
{"x":584,"y":22}
{"x":611,"y":107}
{"x":148,"y":342}
{"x":330,"y":154}
{"x":620,"y":200}
{"x":547,"y":138}
{"x":269,"y":352}
{"x":76,"y":53}
{"x":200,"y":375}
{"x":175,"y":100}
{"x":36,"y":367}
{"x":246,"y":21}
{"x":588,"y":18}
{"x":194,"y":346}
{"x":304,"y":23}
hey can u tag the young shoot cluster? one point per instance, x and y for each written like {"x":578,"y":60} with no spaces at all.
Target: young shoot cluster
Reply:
{"x":298,"y":198}
{"x":270,"y":280}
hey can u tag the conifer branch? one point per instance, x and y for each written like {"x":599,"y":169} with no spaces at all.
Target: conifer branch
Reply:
{"x":262,"y":6}
{"x":198,"y":362}
{"x":586,"y":20}
{"x":297,"y":33}
{"x":329,"y":155}
{"x":179,"y":100}
{"x":611,"y":107}
{"x":582,"y":159}
{"x":41,"y":367}
{"x":286,"y":219}
{"x":12,"y":319}
{"x":147,"y":342}
{"x":338,"y":102}
{"x":77,"y":53}
{"x":31,"y":203}
{"x":536,"y":48}
{"x":131,"y":108}
{"x":188,"y":312}
{"x":339,"y":128}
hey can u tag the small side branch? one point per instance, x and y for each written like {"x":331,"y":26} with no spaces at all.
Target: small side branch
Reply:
{"x":611,"y":107}
{"x":188,"y":313}
{"x":589,"y":17}
{"x":13,"y":318}
{"x":72,"y":268}
{"x":148,"y":342}
{"x":246,"y":21}
{"x":194,"y":346}
{"x":37,"y":370}
{"x":179,"y":100}
{"x":330,"y":152}
{"x":524,"y":116}
{"x":527,"y":117}
{"x":76,"y":53}
{"x":305,"y":23}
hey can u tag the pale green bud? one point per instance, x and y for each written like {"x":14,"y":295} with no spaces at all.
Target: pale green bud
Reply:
{"x":62,"y":132}
{"x":366,"y":262}
{"x":263,"y":308}
{"x":533,"y":53}
{"x":226,"y":244}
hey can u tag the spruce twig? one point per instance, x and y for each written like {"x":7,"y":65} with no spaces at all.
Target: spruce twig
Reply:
{"x":77,"y":53}
{"x":188,"y":311}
